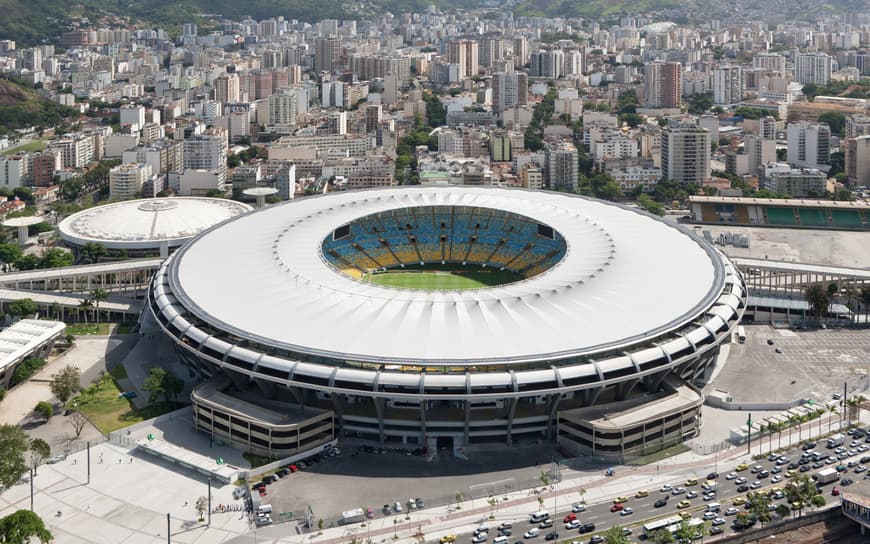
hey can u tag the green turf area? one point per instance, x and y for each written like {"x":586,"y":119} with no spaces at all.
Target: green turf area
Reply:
{"x":443,"y":277}
{"x":32,"y":147}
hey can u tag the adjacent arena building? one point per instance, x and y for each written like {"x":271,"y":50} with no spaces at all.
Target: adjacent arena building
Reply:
{"x":146,"y":227}
{"x":596,"y":327}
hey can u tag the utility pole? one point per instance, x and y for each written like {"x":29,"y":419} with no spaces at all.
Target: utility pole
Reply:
{"x":749,"y":434}
{"x":845,"y":406}
{"x":31,"y":489}
{"x":167,"y":528}
{"x":209,"y":501}
{"x":89,"y":464}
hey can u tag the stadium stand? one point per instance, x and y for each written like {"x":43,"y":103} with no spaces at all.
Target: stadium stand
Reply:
{"x":436,"y":234}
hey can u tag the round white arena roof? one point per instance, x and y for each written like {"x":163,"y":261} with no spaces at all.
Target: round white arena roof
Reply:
{"x":626,"y":277}
{"x":148,"y":223}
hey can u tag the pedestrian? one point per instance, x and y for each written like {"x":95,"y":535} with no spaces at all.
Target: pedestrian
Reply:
{"x":185,"y":503}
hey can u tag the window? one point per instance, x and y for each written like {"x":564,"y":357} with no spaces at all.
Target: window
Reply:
{"x":341,"y":232}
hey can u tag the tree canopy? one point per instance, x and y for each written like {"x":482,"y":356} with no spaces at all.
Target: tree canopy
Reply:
{"x":13,"y":445}
{"x":817,"y":297}
{"x":21,"y":527}
{"x":161,"y":383}
{"x":66,"y":383}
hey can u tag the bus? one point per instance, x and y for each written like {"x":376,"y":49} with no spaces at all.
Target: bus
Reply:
{"x":741,"y":334}
{"x":671,"y":525}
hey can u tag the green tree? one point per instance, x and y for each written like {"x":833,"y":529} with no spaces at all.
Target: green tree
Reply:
{"x":201,"y":506}
{"x":27,"y":262}
{"x":663,"y":536}
{"x":758,"y":506}
{"x":818,"y":501}
{"x":56,"y":258}
{"x":39,"y":450}
{"x":817,"y":297}
{"x":844,"y":194}
{"x":22,"y":527}
{"x":162,"y":383}
{"x":44,"y":409}
{"x":66,"y":383}
{"x":26,"y":369}
{"x":21,"y":307}
{"x":685,"y":532}
{"x":13,"y":444}
{"x":631,"y":119}
{"x":782,"y":510}
{"x":614,"y":535}
{"x":92,"y":252}
{"x":10,"y":252}
{"x":836,"y":120}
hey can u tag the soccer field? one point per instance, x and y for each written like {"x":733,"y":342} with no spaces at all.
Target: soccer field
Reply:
{"x":437,"y":280}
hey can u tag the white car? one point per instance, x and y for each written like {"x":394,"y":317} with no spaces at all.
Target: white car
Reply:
{"x":741,"y":480}
{"x":709,"y":515}
{"x":776,"y":479}
{"x":397,"y":507}
{"x":479,"y":538}
{"x":573,"y":524}
{"x":731,"y":511}
{"x":665,"y":488}
{"x":626,"y":511}
{"x":719,"y":521}
{"x":756,"y":484}
{"x":730,"y":475}
{"x":859,"y":469}
{"x":691,"y":494}
{"x":679,"y":490}
{"x":412,"y":504}
{"x":532,"y":533}
{"x":577,"y":507}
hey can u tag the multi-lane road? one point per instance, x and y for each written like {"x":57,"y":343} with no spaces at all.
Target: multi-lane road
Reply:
{"x":644,"y":509}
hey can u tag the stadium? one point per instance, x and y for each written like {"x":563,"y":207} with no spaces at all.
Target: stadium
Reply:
{"x":444,"y":317}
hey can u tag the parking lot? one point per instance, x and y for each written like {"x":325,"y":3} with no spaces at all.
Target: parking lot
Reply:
{"x":370,"y":480}
{"x":813,"y":364}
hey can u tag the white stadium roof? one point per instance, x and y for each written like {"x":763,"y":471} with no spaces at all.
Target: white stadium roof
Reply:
{"x":147,"y":223}
{"x":626,"y":277}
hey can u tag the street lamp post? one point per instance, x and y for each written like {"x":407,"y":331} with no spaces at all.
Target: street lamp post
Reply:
{"x":209,"y":501}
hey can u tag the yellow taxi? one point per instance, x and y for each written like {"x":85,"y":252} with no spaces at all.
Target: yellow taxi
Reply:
{"x":683,"y":504}
{"x":446,"y":539}
{"x":690,"y":482}
{"x":620,"y":500}
{"x":741,"y":467}
{"x":790,"y":473}
{"x":686,"y":515}
{"x":738,"y":501}
{"x":641,"y":494}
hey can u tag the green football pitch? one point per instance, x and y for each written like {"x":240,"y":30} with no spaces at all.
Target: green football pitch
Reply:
{"x":453,"y":279}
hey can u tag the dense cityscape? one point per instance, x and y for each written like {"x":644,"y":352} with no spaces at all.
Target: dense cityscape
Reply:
{"x":539,"y":271}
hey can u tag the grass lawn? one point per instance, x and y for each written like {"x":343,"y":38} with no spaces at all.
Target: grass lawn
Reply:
{"x":32,"y":147}
{"x":83,"y":329}
{"x":443,"y":278}
{"x":101,"y":403}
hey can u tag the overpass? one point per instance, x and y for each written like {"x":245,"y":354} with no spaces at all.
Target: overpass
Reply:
{"x":130,"y":278}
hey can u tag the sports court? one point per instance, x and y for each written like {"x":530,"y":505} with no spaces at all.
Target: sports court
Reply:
{"x":443,"y":278}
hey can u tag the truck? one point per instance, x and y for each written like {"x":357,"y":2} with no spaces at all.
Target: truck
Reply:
{"x":836,"y":440}
{"x":353,"y":516}
{"x":826,"y":476}
{"x":741,"y":334}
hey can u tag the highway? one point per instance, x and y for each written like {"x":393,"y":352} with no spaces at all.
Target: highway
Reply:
{"x":644,"y":509}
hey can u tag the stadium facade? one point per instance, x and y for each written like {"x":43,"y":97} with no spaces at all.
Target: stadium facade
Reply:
{"x":601,"y":345}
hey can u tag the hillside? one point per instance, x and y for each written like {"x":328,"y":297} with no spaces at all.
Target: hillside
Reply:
{"x":31,"y":22}
{"x":21,"y":107}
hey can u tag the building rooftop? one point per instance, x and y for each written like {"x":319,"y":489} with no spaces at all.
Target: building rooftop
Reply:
{"x":608,"y":291}
{"x":23,"y":336}
{"x":146,"y":223}
{"x":791,"y":202}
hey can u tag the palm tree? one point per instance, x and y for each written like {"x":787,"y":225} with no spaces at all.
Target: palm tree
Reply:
{"x":819,"y":413}
{"x":84,"y":305}
{"x":791,"y":421}
{"x":854,"y":407}
{"x":97,"y":295}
